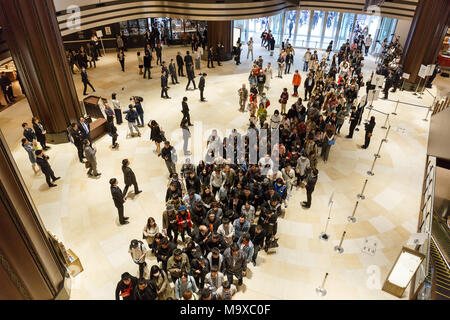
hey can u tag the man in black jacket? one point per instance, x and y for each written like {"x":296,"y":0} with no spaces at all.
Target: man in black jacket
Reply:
{"x":85,"y":80}
{"x":353,"y":122}
{"x":147,"y":64}
{"x":311,"y":181}
{"x":388,"y":84}
{"x":257,"y":236}
{"x":180,"y":64}
{"x":42,"y":161}
{"x":210,"y":57}
{"x":309,"y":85}
{"x":119,"y":199}
{"x":168,"y":153}
{"x":146,"y":290}
{"x":188,"y":61}
{"x":164,"y":85}
{"x":126,"y":287}
{"x":369,"y":130}
{"x":201,"y":86}
{"x":191,"y":76}
{"x":28,"y":133}
{"x":77,"y":137}
{"x":219,"y":52}
{"x":185,"y":111}
{"x":158,"y":50}
{"x":85,"y":129}
{"x":173,"y":72}
{"x":129,"y":178}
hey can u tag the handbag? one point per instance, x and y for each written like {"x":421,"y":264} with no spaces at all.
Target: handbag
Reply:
{"x":87,"y":164}
{"x":331,"y":142}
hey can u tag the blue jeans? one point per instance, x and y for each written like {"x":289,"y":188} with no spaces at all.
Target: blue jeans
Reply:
{"x":141,"y":118}
{"x":305,"y":65}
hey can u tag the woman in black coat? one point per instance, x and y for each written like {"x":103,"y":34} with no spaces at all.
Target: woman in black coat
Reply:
{"x":369,"y":129}
{"x":156,"y":135}
{"x":40,"y":132}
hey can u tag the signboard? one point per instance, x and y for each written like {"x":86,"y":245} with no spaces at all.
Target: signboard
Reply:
{"x":423,"y":71}
{"x":403,"y":270}
{"x":108,"y":31}
{"x":431,"y":68}
{"x":99,"y":33}
{"x":379,"y":80}
{"x":406,"y":75}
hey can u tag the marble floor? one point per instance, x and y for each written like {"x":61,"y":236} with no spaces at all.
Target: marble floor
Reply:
{"x":81,"y":213}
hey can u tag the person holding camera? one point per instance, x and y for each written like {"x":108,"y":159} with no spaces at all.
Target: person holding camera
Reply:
{"x":131,"y":117}
{"x":42,"y":161}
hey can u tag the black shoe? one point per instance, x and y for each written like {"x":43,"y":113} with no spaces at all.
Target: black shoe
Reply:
{"x":52,"y":185}
{"x":98,"y":174}
{"x":57,"y":178}
{"x":240,"y":282}
{"x":126,"y":218}
{"x":254,"y":263}
{"x":125,"y":222}
{"x":137,"y":192}
{"x":304,"y":203}
{"x":190,"y":124}
{"x":168,"y":98}
{"x":348,"y":137}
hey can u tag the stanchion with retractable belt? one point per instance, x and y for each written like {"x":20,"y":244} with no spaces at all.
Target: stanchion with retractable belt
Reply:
{"x":361,"y":195}
{"x":339,"y":248}
{"x":387,"y":133}
{"x":321,"y":291}
{"x":385,"y":122}
{"x":352,"y":217}
{"x":396,"y":106}
{"x":323,"y":235}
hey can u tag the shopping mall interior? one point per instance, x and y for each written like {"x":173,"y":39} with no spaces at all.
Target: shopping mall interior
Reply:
{"x":344,"y":194}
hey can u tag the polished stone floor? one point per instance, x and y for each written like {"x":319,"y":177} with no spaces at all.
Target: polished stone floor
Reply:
{"x":81,"y":213}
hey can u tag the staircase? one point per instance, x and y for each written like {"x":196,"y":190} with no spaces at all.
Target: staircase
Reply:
{"x":441,"y":274}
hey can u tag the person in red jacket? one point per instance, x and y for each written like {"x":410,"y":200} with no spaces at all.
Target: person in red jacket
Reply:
{"x":296,"y":80}
{"x":184,"y":222}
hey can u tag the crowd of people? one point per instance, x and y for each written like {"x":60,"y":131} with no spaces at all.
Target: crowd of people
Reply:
{"x":225,"y":208}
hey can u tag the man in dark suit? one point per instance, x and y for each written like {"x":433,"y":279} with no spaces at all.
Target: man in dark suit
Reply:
{"x":85,"y":80}
{"x":188,"y":61}
{"x":210,"y":57}
{"x":185,"y":111}
{"x":129,"y":178}
{"x":28,"y":133}
{"x":309,"y":85}
{"x":353,"y":122}
{"x":219,"y":52}
{"x":191,"y":76}
{"x":6,"y":86}
{"x":164,"y":85}
{"x":77,"y":138}
{"x":311,"y":181}
{"x":147,"y":65}
{"x":85,"y":129}
{"x":180,"y":64}
{"x":119,"y":200}
{"x":201,"y":86}
{"x":42,"y":161}
{"x":173,"y":72}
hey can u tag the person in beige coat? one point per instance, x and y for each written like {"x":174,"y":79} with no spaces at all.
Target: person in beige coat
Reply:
{"x":161,"y":279}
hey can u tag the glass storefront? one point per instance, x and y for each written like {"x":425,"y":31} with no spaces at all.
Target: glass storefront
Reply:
{"x":316,"y":28}
{"x":330,"y":28}
{"x":289,"y":25}
{"x":302,"y":28}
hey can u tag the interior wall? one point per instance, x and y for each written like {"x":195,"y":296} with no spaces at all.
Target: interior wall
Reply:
{"x":402,"y":30}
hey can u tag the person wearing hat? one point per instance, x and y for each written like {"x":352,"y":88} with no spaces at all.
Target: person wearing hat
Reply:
{"x":184,"y":222}
{"x":168,"y":153}
{"x":311,"y":181}
{"x":129,"y":178}
{"x":118,"y":199}
{"x":138,"y":252}
{"x":126,"y":286}
{"x":201,"y":86}
{"x":42,"y":161}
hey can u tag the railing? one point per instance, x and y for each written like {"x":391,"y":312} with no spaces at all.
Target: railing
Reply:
{"x":441,"y":105}
{"x":422,"y":281}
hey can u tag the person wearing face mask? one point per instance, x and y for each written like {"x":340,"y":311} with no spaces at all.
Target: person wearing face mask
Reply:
{"x":160,"y":278}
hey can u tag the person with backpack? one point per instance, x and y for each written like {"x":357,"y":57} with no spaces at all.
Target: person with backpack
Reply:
{"x":131,"y":117}
{"x":138,"y":252}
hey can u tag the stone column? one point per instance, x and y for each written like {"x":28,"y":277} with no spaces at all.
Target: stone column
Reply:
{"x":221,"y":31}
{"x":34,"y":40}
{"x":29,"y":266}
{"x":425,"y":37}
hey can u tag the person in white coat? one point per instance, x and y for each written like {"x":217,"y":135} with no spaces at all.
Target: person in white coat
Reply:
{"x":269,"y":75}
{"x":288,"y":175}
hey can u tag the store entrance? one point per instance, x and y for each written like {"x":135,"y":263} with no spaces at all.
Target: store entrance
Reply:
{"x":11,"y":87}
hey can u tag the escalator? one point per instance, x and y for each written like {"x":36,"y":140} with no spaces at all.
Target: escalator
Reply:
{"x":441,"y":274}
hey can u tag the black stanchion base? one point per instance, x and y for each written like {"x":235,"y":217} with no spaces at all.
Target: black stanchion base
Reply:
{"x":323,"y":236}
{"x":370,"y":173}
{"x":360,"y":196}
